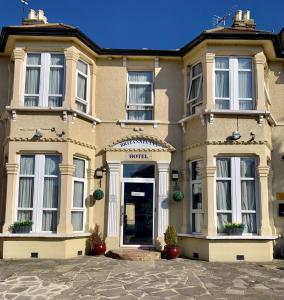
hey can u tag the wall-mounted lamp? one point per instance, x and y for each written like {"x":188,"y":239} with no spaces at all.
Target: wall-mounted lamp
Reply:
{"x":99,"y":173}
{"x":38,"y":135}
{"x":175,"y":175}
{"x":235,"y":136}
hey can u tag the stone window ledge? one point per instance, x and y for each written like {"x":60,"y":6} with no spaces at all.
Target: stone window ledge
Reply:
{"x":44,"y":235}
{"x":229,"y":237}
{"x":155,"y":123}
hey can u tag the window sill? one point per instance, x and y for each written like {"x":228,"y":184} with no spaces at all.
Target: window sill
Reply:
{"x":44,"y":235}
{"x":229,"y":237}
{"x":155,"y":123}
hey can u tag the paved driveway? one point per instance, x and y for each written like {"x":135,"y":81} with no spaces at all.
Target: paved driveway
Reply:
{"x":104,"y":278}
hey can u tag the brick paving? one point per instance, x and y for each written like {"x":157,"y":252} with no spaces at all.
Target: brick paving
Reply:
{"x":105,"y":278}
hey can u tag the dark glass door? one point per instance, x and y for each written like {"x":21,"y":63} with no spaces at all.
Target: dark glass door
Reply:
{"x":138,"y":213}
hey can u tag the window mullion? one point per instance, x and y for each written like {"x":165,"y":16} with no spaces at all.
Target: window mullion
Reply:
{"x":238,"y":189}
{"x":40,"y":187}
{"x":233,"y":190}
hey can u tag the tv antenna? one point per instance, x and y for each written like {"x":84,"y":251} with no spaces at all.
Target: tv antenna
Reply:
{"x":221,"y":21}
{"x":24,"y":4}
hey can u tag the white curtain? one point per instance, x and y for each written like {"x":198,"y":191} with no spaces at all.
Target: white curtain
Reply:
{"x":222,"y":83}
{"x":82,"y":67}
{"x":55,"y":87}
{"x":140,"y":115}
{"x":79,"y":168}
{"x":77,"y":220}
{"x":24,"y":215}
{"x":78,"y":194}
{"x":50,"y":195}
{"x":250,"y":222}
{"x":140,"y":94}
{"x":32,"y":79}
{"x":57,"y":59}
{"x":223,"y":219}
{"x":140,"y":76}
{"x":49,"y":220}
{"x":81,"y":87}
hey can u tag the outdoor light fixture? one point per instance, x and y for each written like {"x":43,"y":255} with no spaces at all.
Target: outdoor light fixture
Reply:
{"x":99,"y":173}
{"x":38,"y":135}
{"x":235,"y":136}
{"x":175,"y":175}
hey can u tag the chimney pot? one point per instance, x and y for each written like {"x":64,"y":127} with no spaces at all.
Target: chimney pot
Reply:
{"x":32,"y":15}
{"x":238,"y":16}
{"x":246,"y":15}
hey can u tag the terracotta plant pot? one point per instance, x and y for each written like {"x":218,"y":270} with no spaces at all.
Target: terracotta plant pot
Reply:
{"x":99,"y":249}
{"x":171,"y":252}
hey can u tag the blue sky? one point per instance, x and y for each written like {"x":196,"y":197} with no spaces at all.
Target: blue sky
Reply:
{"x":154,"y":24}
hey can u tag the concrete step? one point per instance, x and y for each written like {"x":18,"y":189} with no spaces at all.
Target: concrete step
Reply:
{"x":134,"y":254}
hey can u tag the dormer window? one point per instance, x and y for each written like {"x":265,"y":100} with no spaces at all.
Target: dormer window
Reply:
{"x":234,"y":83}
{"x":44,"y":82}
{"x":194,"y":99}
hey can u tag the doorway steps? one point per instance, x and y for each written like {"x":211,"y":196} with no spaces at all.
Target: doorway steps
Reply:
{"x":134,"y":254}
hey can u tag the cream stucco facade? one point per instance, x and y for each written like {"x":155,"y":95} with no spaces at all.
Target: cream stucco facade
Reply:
{"x":104,"y":137}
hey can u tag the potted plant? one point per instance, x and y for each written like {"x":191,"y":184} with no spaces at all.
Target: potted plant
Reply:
{"x":22,"y":226}
{"x":98,"y":194}
{"x":234,"y":228}
{"x":171,"y":249}
{"x":96,"y":241}
{"x":178,"y":196}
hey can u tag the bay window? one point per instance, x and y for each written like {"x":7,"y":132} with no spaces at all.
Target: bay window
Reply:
{"x":196,"y":211}
{"x":194,"y":98}
{"x":79,"y":194}
{"x":38,"y":192}
{"x":44,"y":79}
{"x":234,"y":86}
{"x":236,"y":192}
{"x":82,"y":90}
{"x":140,"y":100}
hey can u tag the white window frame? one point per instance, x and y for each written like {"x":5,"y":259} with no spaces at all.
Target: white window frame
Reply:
{"x":84,"y":181}
{"x":234,"y":82}
{"x":190,"y":102}
{"x":236,"y":200}
{"x":38,"y":192}
{"x":193,"y":211}
{"x":44,"y":67}
{"x":131,"y":106}
{"x":84,"y":102}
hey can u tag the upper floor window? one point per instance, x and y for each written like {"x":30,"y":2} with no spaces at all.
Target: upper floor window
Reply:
{"x":236,"y":192}
{"x":38,"y":193}
{"x":194,"y":99}
{"x":234,"y":83}
{"x":82,"y":91}
{"x":140,"y":100}
{"x":44,"y":84}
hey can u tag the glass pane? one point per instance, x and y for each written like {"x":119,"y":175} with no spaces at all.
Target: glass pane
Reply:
{"x":27,"y":165}
{"x":54,"y":101}
{"x":196,"y":170}
{"x":222,"y":63}
{"x":195,"y":88}
{"x":222,"y":104}
{"x":248,"y":195}
{"x":250,"y":223}
{"x":79,"y":165}
{"x":246,"y":104}
{"x":245,"y":84}
{"x":140,"y":115}
{"x":32,"y":80}
{"x":81,"y":87}
{"x":82,"y":67}
{"x":25,"y":215}
{"x":245,"y":63}
{"x":140,"y":76}
{"x":222,"y":84}
{"x":248,"y":167}
{"x":140,"y":94}
{"x":197,"y":69}
{"x":223,"y":167}
{"x":33,"y":59}
{"x":26,"y":192}
{"x":138,"y":170}
{"x":78,"y":194}
{"x":197,"y":196}
{"x":31,"y":100}
{"x":57,"y":59}
{"x":56,"y":81}
{"x":223,"y":195}
{"x":49,"y":220}
{"x":50,"y":194}
{"x":223,"y":219}
{"x":51,"y":165}
{"x":77,"y":220}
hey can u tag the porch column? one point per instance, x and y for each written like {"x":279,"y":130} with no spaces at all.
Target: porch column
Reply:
{"x":265,"y":228}
{"x":66,"y":197}
{"x":163,"y":199}
{"x":112,"y":239}
{"x":11,"y":195}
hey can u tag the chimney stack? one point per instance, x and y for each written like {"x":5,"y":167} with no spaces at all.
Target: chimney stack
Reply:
{"x":35,"y":18}
{"x":242,"y":20}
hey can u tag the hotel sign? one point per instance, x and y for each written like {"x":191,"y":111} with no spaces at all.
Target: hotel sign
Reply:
{"x":138,"y":156}
{"x":138,"y":144}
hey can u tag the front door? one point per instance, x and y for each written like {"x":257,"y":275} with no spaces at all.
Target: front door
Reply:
{"x":137,"y":213}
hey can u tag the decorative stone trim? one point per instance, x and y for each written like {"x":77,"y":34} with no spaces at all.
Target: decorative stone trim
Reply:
{"x":124,"y":61}
{"x":209,"y":57}
{"x":263,"y":171}
{"x":210,"y":171}
{"x":168,"y":147}
{"x":66,"y":169}
{"x":71,"y":54}
{"x":90,"y":173}
{"x":12,"y":168}
{"x":18,"y":53}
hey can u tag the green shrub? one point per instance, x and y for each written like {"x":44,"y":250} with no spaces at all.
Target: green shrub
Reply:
{"x":22,"y":223}
{"x":170,"y":236}
{"x":98,"y":194}
{"x":178,"y":196}
{"x":234,"y":225}
{"x":96,"y":237}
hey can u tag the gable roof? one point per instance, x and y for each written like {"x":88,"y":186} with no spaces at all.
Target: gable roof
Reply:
{"x":63,"y":30}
